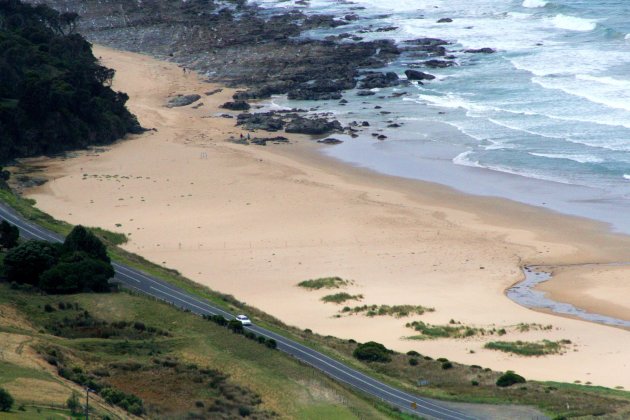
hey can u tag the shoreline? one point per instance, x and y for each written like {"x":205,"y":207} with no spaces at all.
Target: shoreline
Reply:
{"x":285,"y":213}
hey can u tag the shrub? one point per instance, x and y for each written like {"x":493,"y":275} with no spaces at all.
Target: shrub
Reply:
{"x":235,"y":326}
{"x":372,"y":352}
{"x":413,"y":361}
{"x":474,"y":383}
{"x":82,"y":240}
{"x":73,"y":403}
{"x":341,"y":297}
{"x":219,"y":320}
{"x":271,"y":343}
{"x":244,"y":411}
{"x":9,"y":235}
{"x":413,"y":353}
{"x":510,"y":378}
{"x":261,"y":339}
{"x":447,"y":365}
{"x":6,"y":400}
{"x":324,"y":282}
{"x":48,"y":308}
{"x":26,"y":262}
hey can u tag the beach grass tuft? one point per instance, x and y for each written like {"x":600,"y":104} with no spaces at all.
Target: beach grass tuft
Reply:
{"x":398,"y":311}
{"x":341,"y":297}
{"x":323,"y":283}
{"x":525,"y":348}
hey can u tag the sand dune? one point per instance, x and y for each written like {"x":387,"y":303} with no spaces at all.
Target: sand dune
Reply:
{"x":254,"y":221}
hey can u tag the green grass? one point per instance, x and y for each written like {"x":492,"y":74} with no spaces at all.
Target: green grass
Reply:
{"x":32,"y":412}
{"x":323,"y":283}
{"x":525,"y":348}
{"x":398,"y":311}
{"x":340,"y":297}
{"x":284,"y":385}
{"x":451,"y":384}
{"x":428,"y":331}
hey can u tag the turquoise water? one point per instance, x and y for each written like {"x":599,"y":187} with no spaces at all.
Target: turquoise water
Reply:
{"x":545,"y":120}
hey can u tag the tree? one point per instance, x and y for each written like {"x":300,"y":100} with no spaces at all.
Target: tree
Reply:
{"x":82,"y":240}
{"x":73,"y":403}
{"x":6,"y":400}
{"x":372,"y":352}
{"x":9,"y":235}
{"x":82,"y":275}
{"x":510,"y":378}
{"x":27,"y":261}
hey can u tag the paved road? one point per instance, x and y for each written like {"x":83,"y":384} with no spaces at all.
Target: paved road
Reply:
{"x":141,"y":282}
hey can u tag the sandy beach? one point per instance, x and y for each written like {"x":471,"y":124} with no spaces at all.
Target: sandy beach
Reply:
{"x":254,"y":221}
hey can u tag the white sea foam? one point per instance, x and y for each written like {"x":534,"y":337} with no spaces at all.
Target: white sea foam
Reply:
{"x":626,"y":176}
{"x":534,"y":3}
{"x":573,"y":23}
{"x":463,"y":159}
{"x":604,"y":94}
{"x":573,"y":157}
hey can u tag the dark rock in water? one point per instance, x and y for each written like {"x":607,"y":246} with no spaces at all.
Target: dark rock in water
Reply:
{"x":481,"y":51}
{"x":445,"y":20}
{"x":418,"y":75}
{"x":398,"y":94}
{"x":439,"y":63}
{"x":379,"y":80}
{"x":365,"y":124}
{"x":227,"y":116}
{"x":212,"y":92}
{"x":428,"y":42}
{"x":330,"y":140}
{"x":312,"y":95}
{"x":378,"y":107}
{"x":182,"y":100}
{"x":236,"y":106}
{"x":387,"y":29}
{"x":394,"y":125}
{"x":261,"y":121}
{"x":382,"y":137}
{"x":385,"y":112}
{"x":365,"y":93}
{"x":314,"y":126}
{"x":343,"y":101}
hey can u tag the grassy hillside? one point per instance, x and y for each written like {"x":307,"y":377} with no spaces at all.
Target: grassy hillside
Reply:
{"x":178,"y":364}
{"x":54,"y":95}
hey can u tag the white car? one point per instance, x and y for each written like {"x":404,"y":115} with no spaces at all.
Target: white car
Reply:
{"x":244,"y":320}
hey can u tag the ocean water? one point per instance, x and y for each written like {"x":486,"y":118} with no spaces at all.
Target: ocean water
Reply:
{"x":545,"y":120}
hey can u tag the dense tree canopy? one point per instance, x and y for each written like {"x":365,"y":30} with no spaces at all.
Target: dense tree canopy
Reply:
{"x":9,"y":235}
{"x":54,"y":95}
{"x":81,"y":264}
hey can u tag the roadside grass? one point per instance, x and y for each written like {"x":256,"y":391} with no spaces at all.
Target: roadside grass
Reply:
{"x":525,"y":348}
{"x":427,"y":378}
{"x":283,"y":384}
{"x":323,"y":283}
{"x":398,"y":311}
{"x":339,"y":298}
{"x":37,"y":411}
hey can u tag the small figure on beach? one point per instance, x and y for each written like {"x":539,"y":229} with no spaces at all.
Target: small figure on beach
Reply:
{"x":248,"y":136}
{"x":241,"y":136}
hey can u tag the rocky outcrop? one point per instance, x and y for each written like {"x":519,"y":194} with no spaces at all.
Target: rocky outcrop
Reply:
{"x":182,"y":100}
{"x":330,"y":140}
{"x":418,"y":75}
{"x":315,"y":126}
{"x":379,"y":80}
{"x":440,"y":64}
{"x":480,"y":51}
{"x":261,"y":121}
{"x":236,"y":106}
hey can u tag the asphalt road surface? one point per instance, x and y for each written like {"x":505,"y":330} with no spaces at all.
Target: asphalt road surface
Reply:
{"x":141,"y":282}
